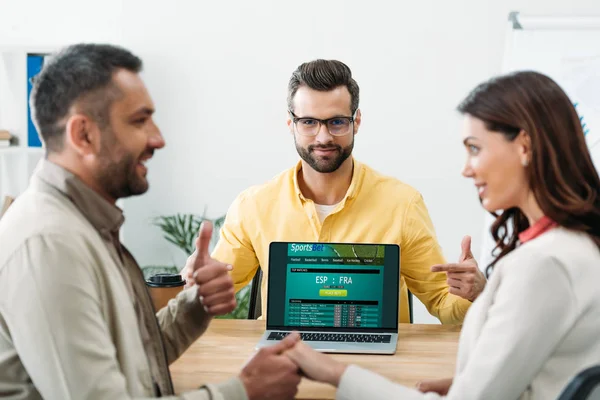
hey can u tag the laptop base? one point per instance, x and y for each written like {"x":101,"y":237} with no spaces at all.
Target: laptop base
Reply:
{"x":340,"y":347}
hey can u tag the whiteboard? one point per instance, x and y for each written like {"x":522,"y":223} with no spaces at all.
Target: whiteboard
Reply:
{"x":568,"y":51}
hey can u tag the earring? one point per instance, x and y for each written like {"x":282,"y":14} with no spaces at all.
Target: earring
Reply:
{"x":525,"y":162}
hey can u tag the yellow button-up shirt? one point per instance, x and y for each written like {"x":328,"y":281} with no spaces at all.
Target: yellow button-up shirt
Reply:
{"x":376,"y":209}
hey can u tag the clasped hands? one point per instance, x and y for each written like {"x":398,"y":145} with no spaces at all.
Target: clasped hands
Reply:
{"x":292,"y":358}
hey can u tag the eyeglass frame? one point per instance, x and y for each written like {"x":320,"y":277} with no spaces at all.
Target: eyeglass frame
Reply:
{"x":295,"y":120}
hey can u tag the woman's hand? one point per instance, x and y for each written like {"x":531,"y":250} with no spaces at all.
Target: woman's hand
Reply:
{"x":439,"y":386}
{"x":316,"y":366}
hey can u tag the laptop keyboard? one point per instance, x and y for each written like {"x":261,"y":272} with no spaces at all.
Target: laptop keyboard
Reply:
{"x":334,"y":337}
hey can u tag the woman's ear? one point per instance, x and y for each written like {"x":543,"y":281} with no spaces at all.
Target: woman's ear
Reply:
{"x":523,"y":141}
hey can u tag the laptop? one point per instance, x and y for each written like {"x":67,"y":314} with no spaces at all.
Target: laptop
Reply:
{"x":341,"y":297}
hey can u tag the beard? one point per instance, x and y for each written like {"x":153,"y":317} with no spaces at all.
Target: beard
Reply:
{"x":325,"y":164}
{"x":118,"y":174}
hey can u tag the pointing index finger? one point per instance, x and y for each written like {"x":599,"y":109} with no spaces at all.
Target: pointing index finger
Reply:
{"x":451,"y":268}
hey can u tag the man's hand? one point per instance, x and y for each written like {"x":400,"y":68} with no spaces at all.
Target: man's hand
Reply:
{"x":439,"y":386}
{"x":186,"y":272}
{"x":215,"y":286}
{"x":270,"y":374}
{"x":464,"y":278}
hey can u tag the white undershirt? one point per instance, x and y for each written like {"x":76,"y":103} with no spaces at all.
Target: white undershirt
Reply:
{"x":324,"y":210}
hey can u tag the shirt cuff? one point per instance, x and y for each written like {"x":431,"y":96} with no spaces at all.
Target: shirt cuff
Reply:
{"x":192,"y":311}
{"x":233,"y":389}
{"x":455,"y":312}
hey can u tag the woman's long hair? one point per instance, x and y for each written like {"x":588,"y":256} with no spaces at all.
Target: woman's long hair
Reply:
{"x":561,"y":173}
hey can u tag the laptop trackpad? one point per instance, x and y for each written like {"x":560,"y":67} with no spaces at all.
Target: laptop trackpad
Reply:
{"x":357,"y":348}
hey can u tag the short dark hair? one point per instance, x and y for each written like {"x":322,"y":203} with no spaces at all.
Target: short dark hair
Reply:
{"x":81,"y":72}
{"x":323,"y":75}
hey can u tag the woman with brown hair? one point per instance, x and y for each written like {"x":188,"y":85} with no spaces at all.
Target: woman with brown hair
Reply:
{"x":536,"y":323}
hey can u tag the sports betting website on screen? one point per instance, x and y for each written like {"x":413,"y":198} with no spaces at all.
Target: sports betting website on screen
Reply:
{"x":318,"y":285}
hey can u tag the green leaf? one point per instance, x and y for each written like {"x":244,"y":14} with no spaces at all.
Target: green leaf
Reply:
{"x":182,"y":229}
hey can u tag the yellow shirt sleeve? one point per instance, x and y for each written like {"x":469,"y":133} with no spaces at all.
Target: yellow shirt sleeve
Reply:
{"x":419,"y":251}
{"x":235,"y":247}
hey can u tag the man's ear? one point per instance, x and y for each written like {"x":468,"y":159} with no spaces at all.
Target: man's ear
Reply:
{"x":357,"y":121}
{"x":82,"y":134}
{"x":290,"y":123}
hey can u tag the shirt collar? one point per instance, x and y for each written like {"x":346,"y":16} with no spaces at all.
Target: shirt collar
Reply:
{"x":542,"y":226}
{"x":103,"y":215}
{"x":357,"y":177}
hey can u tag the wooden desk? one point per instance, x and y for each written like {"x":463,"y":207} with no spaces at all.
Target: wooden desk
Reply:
{"x":424,"y":352}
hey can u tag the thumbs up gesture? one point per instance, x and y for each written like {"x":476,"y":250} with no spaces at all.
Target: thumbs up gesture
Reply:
{"x":215,"y":286}
{"x":464,"y":278}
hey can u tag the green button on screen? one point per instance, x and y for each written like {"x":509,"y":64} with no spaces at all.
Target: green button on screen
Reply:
{"x":333,"y":293}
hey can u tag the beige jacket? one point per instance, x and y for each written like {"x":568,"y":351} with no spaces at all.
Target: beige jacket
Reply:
{"x":76,"y":320}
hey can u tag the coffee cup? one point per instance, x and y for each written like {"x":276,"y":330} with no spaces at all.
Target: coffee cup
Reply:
{"x":164,"y":287}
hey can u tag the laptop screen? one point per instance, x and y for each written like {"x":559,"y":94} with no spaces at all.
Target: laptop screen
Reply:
{"x":333,"y":286}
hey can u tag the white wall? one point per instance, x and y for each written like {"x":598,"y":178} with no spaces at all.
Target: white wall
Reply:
{"x":59,"y":22}
{"x":39,"y":26}
{"x":218,"y":73}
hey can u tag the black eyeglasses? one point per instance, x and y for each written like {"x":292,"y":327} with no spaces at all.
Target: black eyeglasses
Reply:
{"x":337,"y":126}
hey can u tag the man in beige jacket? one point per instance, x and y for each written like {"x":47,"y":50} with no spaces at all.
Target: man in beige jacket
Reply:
{"x":76,"y":320}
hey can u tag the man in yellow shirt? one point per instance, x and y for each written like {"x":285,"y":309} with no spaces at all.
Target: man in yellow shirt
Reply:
{"x":331,"y":197}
